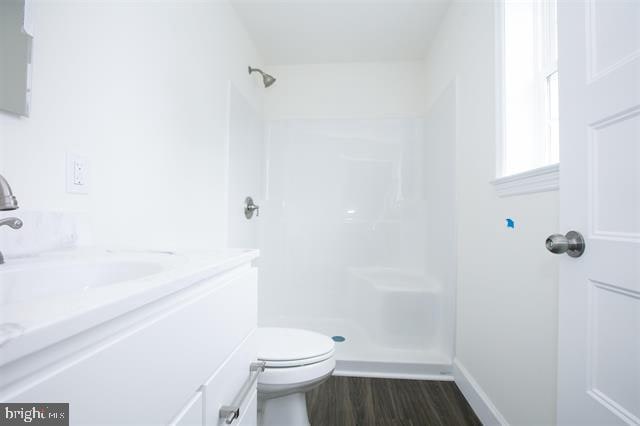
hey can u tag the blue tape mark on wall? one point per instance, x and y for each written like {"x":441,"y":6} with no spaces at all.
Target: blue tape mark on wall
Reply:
{"x":338,"y":338}
{"x":510,"y":223}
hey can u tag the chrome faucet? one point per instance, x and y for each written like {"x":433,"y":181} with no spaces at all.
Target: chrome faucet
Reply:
{"x":8,"y":202}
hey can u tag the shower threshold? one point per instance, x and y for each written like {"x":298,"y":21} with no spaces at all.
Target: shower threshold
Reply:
{"x":394,"y":370}
{"x":357,"y":355}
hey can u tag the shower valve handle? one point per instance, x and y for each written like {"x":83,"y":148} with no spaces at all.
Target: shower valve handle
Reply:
{"x":250,"y":207}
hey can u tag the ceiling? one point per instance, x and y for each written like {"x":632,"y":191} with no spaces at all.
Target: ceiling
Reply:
{"x":321,"y":31}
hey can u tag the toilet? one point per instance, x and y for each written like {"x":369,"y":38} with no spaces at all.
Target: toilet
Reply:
{"x":296,"y":362}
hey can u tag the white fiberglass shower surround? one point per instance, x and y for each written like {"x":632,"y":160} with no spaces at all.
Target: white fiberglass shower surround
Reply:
{"x":357,"y":234}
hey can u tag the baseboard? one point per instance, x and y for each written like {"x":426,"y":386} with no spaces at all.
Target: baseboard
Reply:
{"x":477,"y":398}
{"x":393,"y":370}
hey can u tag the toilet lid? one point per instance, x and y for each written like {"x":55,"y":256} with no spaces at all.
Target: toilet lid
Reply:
{"x":292,"y":346}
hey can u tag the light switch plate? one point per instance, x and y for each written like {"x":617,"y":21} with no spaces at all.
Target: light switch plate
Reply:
{"x":77,"y":174}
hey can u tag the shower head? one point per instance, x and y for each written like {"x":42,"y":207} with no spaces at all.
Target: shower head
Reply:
{"x":266,"y":78}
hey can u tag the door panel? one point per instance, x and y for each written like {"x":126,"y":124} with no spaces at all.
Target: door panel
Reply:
{"x":612,"y":370}
{"x":615,"y":189}
{"x":612,"y":33}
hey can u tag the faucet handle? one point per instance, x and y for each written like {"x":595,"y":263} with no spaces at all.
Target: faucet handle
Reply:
{"x":12,"y":222}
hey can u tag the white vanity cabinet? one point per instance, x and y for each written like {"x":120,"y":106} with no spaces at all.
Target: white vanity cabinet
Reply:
{"x":175,"y":360}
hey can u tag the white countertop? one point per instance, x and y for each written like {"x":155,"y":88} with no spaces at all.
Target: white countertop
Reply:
{"x":50,"y":310}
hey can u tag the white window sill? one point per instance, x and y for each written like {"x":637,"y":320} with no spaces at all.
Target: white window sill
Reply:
{"x":542,"y":179}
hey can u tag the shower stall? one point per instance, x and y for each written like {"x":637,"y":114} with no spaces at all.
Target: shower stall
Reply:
{"x":356,"y":231}
{"x":357,"y":239}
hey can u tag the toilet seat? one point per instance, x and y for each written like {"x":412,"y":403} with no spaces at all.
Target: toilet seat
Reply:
{"x":297,"y":362}
{"x":291,"y":347}
{"x":296,"y":376}
{"x":294,"y":355}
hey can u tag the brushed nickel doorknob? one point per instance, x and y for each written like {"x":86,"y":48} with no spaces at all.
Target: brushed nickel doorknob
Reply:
{"x":573,"y":244}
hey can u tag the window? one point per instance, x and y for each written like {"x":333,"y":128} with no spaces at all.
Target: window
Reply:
{"x":527,"y":90}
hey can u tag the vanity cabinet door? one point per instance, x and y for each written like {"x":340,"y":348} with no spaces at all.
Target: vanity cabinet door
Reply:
{"x":191,"y":414}
{"x":250,"y":417}
{"x":145,"y":372}
{"x":227,"y":384}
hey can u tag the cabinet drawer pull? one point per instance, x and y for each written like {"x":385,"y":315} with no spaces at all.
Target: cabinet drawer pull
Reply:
{"x":232,"y":412}
{"x":229,"y":413}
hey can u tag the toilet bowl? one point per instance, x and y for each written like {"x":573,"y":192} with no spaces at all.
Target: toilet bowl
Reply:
{"x":296,"y":362}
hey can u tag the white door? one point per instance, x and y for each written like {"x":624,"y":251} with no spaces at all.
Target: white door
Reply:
{"x":599,"y":335}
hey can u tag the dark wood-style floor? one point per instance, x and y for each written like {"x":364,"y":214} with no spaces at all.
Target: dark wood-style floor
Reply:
{"x":346,"y":401}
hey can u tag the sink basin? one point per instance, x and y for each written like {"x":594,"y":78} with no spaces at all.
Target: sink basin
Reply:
{"x":40,"y":281}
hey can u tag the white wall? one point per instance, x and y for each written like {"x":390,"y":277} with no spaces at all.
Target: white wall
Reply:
{"x":507,"y":282}
{"x":346,"y":90}
{"x":140,"y":88}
